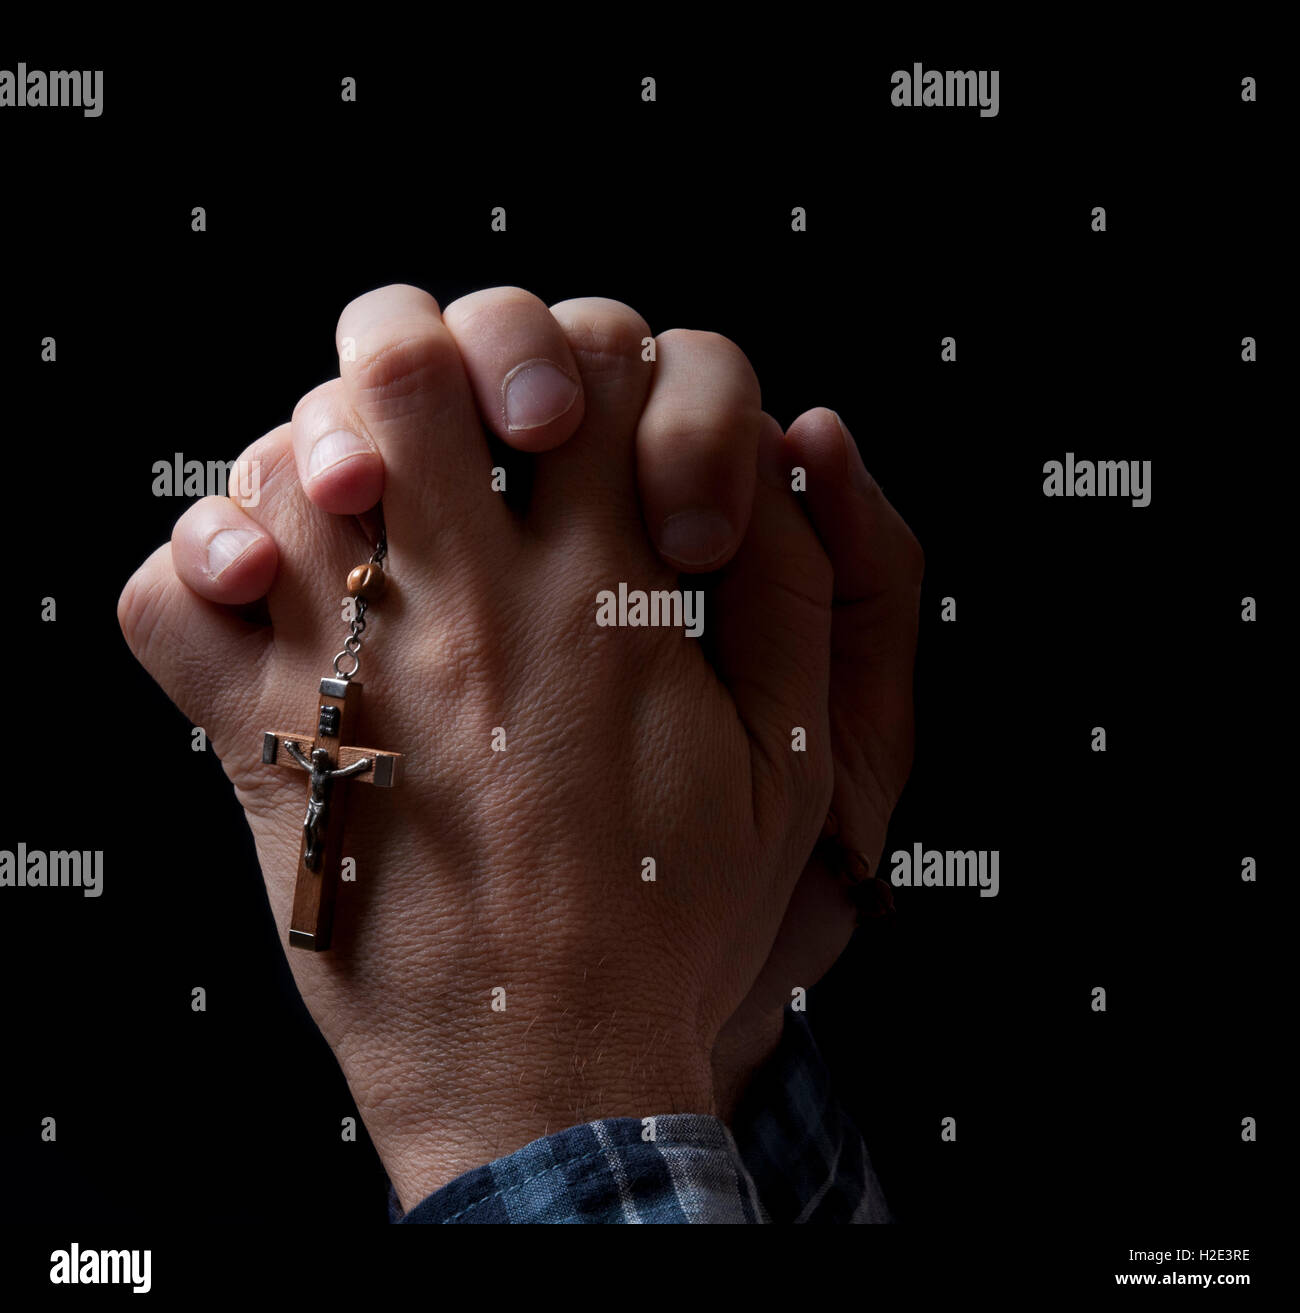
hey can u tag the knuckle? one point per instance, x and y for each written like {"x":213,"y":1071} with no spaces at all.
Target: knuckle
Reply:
{"x":600,"y":328}
{"x":732,"y":382}
{"x":383,"y":302}
{"x":141,"y":607}
{"x":404,"y":362}
{"x":270,"y":459}
{"x":491,"y":303}
{"x":325,"y":395}
{"x":708,"y":426}
{"x":706,"y":342}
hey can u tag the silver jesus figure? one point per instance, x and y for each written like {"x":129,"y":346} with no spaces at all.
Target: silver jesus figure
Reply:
{"x":322,"y":777}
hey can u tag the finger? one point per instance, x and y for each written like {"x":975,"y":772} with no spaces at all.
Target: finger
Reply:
{"x":315,"y":549}
{"x":695,"y":448}
{"x":878,"y":566}
{"x":519,"y":365}
{"x":770,"y":624}
{"x":404,"y":379}
{"x":591,"y":479}
{"x":339,"y":465}
{"x":872,"y":549}
{"x":221,"y":554}
{"x":174,"y":632}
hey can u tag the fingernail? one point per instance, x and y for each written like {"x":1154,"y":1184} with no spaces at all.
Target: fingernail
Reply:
{"x":226,"y":547}
{"x":333,"y":448}
{"x":861,"y":479}
{"x":695,"y":537}
{"x":536,"y":392}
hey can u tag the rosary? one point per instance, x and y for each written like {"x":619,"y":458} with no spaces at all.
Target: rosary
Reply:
{"x":328,"y":761}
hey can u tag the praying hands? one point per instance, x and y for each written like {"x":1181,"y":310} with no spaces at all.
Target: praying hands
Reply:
{"x":617,"y":846}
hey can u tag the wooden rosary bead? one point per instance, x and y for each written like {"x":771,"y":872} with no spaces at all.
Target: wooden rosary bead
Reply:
{"x":366,"y":581}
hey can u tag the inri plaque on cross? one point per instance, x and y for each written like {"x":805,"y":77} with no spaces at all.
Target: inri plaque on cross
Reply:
{"x":329,"y":763}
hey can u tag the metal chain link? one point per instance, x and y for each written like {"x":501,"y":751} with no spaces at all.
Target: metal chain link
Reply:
{"x":352,"y":643}
{"x":381,"y":548}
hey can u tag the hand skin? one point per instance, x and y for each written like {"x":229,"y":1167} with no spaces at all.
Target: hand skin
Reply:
{"x":522,"y":870}
{"x":878,"y":567}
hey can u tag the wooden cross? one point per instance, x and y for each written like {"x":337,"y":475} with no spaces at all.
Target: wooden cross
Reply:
{"x":329,"y":763}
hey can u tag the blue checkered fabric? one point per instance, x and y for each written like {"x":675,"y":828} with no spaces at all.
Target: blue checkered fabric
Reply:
{"x":791,"y":1155}
{"x":804,"y":1153}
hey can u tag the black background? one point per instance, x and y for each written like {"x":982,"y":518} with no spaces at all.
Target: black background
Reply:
{"x":1120,"y":870}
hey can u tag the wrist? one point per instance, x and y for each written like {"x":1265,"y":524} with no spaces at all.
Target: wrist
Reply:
{"x":745,"y":1043}
{"x":510,"y":1083}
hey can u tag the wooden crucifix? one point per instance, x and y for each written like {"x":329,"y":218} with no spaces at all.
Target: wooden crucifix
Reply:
{"x":328,"y":762}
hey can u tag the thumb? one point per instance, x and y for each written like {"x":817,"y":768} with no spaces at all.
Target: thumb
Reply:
{"x":878,"y":565}
{"x":770,"y":647}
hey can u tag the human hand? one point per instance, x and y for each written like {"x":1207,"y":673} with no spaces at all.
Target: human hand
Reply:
{"x":701,"y":468}
{"x":520,"y":869}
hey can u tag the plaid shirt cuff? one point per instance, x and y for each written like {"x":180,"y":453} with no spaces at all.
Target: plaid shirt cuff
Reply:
{"x":795,"y":1149}
{"x":604,"y":1172}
